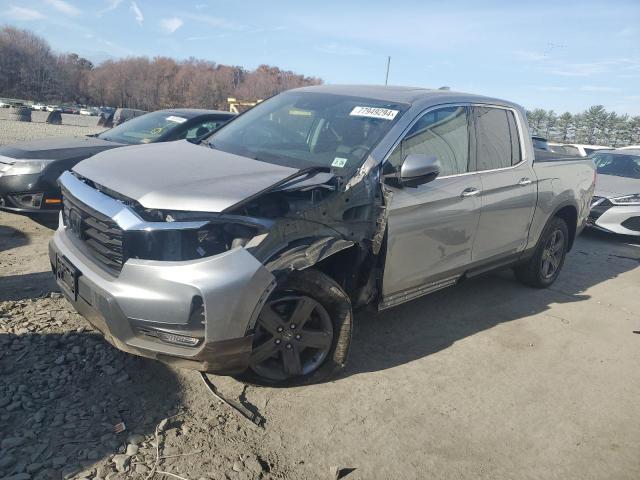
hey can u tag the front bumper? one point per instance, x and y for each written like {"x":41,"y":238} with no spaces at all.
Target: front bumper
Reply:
{"x":624,"y":220}
{"x":152,"y":295}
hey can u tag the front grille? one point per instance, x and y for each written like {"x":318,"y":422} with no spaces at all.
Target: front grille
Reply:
{"x":99,"y":233}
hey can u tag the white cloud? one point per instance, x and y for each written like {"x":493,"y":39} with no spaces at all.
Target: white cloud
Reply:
{"x":598,"y":88}
{"x":23,"y":14}
{"x":111,"y":5}
{"x":627,"y":32}
{"x":63,"y":7}
{"x":337,"y":49}
{"x":216,"y":22}
{"x":170,"y":25}
{"x":137,"y":13}
{"x":530,"y":56}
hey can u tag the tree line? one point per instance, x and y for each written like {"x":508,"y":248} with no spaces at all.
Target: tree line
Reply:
{"x":31,"y":70}
{"x":594,"y":126}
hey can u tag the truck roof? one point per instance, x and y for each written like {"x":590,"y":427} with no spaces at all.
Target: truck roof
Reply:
{"x":407,"y":95}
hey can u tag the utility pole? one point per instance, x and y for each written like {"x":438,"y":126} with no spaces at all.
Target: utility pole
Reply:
{"x":386,"y":78}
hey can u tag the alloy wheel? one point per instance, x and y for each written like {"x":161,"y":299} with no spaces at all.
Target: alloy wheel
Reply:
{"x":552,"y":254}
{"x":294,"y":334}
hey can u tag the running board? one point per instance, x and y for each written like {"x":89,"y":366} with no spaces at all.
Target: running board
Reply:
{"x":409,"y":294}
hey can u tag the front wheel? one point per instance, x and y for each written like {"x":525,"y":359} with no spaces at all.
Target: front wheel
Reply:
{"x":543,"y":268}
{"x":303,"y":332}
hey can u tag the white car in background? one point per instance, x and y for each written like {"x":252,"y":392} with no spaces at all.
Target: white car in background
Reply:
{"x":87,"y":111}
{"x":616,"y":201}
{"x":586,"y":150}
{"x":53,"y":108}
{"x":39,"y":107}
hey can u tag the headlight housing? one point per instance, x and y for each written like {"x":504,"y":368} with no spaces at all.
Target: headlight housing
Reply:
{"x":212,"y":238}
{"x":27,"y":167}
{"x":627,"y":200}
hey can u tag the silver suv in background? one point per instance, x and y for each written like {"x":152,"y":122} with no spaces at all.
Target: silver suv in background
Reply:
{"x":247,"y":253}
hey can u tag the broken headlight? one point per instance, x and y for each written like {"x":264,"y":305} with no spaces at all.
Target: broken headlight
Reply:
{"x":212,"y":238}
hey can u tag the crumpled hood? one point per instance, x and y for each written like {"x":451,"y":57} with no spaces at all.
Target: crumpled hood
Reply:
{"x":62,"y":148}
{"x":181,"y":176}
{"x":611,"y":186}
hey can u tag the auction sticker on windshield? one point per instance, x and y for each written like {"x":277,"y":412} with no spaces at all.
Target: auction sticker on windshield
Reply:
{"x":374,"y":112}
{"x":175,"y":119}
{"x":339,"y":162}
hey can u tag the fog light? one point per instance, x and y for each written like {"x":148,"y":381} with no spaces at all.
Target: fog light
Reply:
{"x":178,"y":339}
{"x":28,"y":200}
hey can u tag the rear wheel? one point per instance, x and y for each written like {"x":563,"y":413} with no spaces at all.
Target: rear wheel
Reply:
{"x":303,"y":332}
{"x":543,"y":268}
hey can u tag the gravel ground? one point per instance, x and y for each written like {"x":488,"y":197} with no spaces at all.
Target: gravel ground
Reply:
{"x":72,"y":126}
{"x":489,"y":380}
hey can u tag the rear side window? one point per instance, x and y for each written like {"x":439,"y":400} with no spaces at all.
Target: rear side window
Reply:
{"x":442,"y":132}
{"x":493,"y":138}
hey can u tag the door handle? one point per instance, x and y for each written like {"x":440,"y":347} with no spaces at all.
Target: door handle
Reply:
{"x":470,"y":192}
{"x":525,"y":181}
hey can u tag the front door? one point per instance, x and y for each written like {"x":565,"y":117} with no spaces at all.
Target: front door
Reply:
{"x":431,"y":228}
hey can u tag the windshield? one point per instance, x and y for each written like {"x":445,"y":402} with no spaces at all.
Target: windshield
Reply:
{"x":304,"y":129}
{"x":146,"y":128}
{"x":618,"y":165}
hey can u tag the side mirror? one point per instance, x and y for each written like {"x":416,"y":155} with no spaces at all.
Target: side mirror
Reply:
{"x":419,"y":169}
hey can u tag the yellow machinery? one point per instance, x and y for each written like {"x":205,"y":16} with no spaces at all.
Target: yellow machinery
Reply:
{"x":239,"y":106}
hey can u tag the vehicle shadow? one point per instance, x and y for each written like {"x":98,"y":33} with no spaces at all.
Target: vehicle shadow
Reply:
{"x":11,"y":238}
{"x":47,"y":221}
{"x":427,"y":325}
{"x":28,"y":285}
{"x":61,"y":396}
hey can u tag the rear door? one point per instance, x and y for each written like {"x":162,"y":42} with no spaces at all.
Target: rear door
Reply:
{"x":509,"y":192}
{"x":431,"y":228}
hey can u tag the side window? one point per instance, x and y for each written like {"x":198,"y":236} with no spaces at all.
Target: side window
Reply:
{"x":516,"y":153}
{"x":444,"y":133}
{"x":493,"y":138}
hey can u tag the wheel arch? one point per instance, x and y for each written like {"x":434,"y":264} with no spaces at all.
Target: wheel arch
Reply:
{"x":342,"y":260}
{"x":569,"y":213}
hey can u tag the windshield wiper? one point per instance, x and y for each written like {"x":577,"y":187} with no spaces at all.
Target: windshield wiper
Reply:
{"x":307,"y":172}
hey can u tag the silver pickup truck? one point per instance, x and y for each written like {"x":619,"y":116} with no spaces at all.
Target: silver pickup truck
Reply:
{"x":247,"y":253}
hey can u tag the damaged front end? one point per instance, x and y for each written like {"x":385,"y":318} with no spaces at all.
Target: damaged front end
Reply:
{"x":305,"y":220}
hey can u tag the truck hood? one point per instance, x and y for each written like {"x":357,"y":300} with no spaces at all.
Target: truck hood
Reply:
{"x":611,"y":186}
{"x":181,"y":176}
{"x":57,"y":148}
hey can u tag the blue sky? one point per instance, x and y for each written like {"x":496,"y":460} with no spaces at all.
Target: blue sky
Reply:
{"x":559,"y":55}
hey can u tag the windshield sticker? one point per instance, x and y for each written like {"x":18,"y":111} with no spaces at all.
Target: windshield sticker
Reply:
{"x":339,"y":162}
{"x":175,"y":119}
{"x":374,"y":112}
{"x":301,"y":113}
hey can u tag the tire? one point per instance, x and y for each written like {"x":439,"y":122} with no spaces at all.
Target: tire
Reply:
{"x":276,"y":339}
{"x":20,"y":114}
{"x":551,"y":251}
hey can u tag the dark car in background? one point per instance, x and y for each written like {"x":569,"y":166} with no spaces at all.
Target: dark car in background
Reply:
{"x":29,"y":170}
